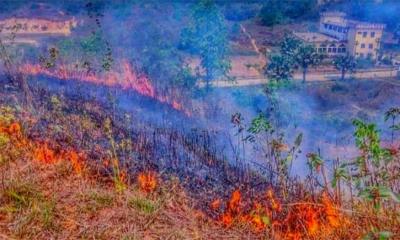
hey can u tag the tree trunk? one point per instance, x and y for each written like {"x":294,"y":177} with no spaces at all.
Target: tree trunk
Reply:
{"x":304,"y":74}
{"x":343,"y":74}
{"x":208,"y":80}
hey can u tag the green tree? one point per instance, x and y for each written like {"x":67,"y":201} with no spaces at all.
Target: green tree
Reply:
{"x":278,"y":11}
{"x":280,"y":67}
{"x":305,"y":57}
{"x":344,"y":64}
{"x":289,"y":45}
{"x":207,"y":36}
{"x":271,"y":13}
{"x":392,"y":114}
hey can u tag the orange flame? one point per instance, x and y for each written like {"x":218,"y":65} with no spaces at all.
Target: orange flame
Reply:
{"x":76,"y":161}
{"x":234,"y":202}
{"x":14,"y":129}
{"x":147,"y":181}
{"x":45,"y":154}
{"x":216,"y":204}
{"x":332,"y":214}
{"x":227,"y":219}
{"x":127,"y":79}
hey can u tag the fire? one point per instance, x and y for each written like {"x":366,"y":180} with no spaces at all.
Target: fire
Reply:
{"x":310,"y":217}
{"x":332,"y":214}
{"x":216,"y":204}
{"x":227,"y":219}
{"x":147,"y":181}
{"x":44,"y":154}
{"x":275,"y":205}
{"x":234,"y":202}
{"x":126,"y":79}
{"x":76,"y":161}
{"x":14,"y":129}
{"x":297,"y":221}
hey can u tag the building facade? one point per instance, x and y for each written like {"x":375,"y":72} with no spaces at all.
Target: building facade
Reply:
{"x":338,"y":35}
{"x":32,"y":26}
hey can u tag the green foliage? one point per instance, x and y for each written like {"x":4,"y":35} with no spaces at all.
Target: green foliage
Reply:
{"x":364,"y":63}
{"x":293,"y":54}
{"x":280,"y":68}
{"x":279,"y":11}
{"x":392,"y":115}
{"x":144,"y":205}
{"x":240,"y":11}
{"x":344,"y":64}
{"x":305,"y":57}
{"x":259,"y":124}
{"x":340,"y":173}
{"x":289,"y":45}
{"x":156,"y":55}
{"x":368,"y":141}
{"x":378,"y":235}
{"x":314,"y":161}
{"x":373,"y":177}
{"x":207,"y":37}
{"x":271,"y":13}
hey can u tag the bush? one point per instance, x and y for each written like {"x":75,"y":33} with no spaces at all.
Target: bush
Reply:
{"x":279,"y":11}
{"x":240,"y":11}
{"x":364,"y":63}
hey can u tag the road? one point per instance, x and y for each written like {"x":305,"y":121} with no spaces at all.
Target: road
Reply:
{"x":384,"y":73}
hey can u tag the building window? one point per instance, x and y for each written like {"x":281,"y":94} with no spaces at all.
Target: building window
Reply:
{"x":342,"y":48}
{"x":323,"y":48}
{"x":326,"y":26}
{"x":335,"y":28}
{"x":369,"y":55}
{"x":372,"y":34}
{"x":334,"y":50}
{"x":362,"y":45}
{"x":371,"y":46}
{"x":330,"y":26}
{"x":365,"y":34}
{"x":360,"y":33}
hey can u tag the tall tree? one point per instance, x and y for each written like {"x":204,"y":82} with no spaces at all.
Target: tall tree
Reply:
{"x":206,"y":36}
{"x":344,"y":64}
{"x":305,"y":57}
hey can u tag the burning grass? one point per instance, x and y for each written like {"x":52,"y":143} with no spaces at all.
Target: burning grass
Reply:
{"x":78,"y":182}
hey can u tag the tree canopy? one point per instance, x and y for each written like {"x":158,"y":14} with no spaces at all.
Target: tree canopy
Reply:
{"x":206,"y":37}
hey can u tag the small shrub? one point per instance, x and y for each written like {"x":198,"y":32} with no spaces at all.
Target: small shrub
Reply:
{"x":142,"y":204}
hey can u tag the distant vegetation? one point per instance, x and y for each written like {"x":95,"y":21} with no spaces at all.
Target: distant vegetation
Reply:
{"x":282,"y":11}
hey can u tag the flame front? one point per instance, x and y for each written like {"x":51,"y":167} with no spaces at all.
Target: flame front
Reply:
{"x":147,"y":181}
{"x":127,"y":79}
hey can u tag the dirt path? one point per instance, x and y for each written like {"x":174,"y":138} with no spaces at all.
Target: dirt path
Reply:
{"x":254,"y":44}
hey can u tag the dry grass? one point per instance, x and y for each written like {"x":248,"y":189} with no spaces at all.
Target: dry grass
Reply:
{"x":52,"y":202}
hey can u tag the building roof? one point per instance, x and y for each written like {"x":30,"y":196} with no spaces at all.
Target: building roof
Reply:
{"x":334,"y":14}
{"x":359,"y":24}
{"x":342,"y":21}
{"x":313,"y":37}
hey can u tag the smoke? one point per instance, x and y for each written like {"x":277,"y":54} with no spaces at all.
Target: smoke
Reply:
{"x":150,"y":84}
